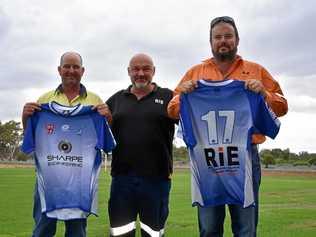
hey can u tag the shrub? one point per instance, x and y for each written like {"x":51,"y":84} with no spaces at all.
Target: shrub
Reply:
{"x":20,"y":156}
{"x":312,"y":161}
{"x":301,"y":163}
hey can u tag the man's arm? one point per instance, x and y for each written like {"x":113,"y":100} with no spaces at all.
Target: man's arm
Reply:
{"x":271,"y":91}
{"x":275,"y":97}
{"x":186,"y":85}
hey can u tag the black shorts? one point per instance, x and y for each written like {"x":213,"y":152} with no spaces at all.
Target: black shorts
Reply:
{"x":131,"y":196}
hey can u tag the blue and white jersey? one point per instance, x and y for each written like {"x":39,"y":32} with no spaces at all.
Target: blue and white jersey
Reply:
{"x":67,"y":144}
{"x":217,"y":121}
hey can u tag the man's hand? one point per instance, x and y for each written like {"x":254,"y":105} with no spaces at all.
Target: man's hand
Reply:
{"x":103,"y":109}
{"x":256,"y":86}
{"x":28,"y":110}
{"x":187,"y":86}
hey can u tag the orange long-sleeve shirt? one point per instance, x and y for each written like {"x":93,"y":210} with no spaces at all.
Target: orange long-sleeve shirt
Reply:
{"x":240,"y":70}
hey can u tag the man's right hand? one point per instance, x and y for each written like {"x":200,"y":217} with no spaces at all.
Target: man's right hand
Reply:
{"x":28,"y":110}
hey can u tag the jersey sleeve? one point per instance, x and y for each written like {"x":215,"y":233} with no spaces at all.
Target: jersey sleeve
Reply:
{"x":186,"y":122}
{"x":106,"y":141}
{"x":28,"y":144}
{"x":264,"y":119}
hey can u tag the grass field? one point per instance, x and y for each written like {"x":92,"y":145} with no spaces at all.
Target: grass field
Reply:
{"x":288,"y":206}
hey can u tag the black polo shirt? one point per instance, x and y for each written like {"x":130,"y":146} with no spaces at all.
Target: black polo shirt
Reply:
{"x":143,"y":132}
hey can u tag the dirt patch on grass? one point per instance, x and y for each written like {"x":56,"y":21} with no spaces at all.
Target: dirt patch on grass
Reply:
{"x":7,"y":165}
{"x":309,"y":173}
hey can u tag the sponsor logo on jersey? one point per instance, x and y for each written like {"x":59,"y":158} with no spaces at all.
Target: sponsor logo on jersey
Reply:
{"x":65,"y":127}
{"x":222,"y":159}
{"x":68,"y":128}
{"x":50,"y":128}
{"x":64,"y":146}
{"x":67,"y":159}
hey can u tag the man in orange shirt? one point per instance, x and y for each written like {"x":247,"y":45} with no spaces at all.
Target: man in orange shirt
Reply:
{"x":226,"y":64}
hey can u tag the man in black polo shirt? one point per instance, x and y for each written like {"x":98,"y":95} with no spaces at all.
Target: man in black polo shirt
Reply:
{"x":142,"y":160}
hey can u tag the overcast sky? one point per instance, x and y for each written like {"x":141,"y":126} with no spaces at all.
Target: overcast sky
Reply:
{"x":279,"y":35}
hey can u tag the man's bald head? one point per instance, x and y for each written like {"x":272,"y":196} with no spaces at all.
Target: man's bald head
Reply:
{"x":141,"y":57}
{"x":72,"y":54}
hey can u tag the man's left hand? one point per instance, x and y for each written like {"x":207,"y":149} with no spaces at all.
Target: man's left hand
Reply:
{"x":256,"y":86}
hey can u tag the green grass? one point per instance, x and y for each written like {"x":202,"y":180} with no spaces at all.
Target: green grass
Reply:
{"x":288,"y":206}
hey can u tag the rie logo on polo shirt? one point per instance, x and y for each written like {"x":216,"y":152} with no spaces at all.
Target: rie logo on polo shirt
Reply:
{"x":159,"y":101}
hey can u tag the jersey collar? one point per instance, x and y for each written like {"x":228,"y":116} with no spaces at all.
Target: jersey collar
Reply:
{"x":64,"y":110}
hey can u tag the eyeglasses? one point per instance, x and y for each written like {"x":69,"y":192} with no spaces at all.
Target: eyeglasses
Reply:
{"x":226,"y":19}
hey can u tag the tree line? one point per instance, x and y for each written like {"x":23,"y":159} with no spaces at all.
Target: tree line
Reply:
{"x":11,"y":135}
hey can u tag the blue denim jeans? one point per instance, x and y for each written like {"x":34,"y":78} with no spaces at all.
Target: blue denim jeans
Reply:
{"x":244,"y":220}
{"x":46,"y":227}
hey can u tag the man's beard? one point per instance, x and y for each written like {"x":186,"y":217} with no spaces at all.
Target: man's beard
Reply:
{"x":227,"y":56}
{"x":141,"y":85}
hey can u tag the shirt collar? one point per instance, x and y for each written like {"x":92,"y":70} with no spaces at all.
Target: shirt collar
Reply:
{"x":82,"y":91}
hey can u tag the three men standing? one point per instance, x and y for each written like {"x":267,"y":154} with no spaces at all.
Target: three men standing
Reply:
{"x":142,"y":119}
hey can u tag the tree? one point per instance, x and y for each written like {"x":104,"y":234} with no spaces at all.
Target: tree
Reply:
{"x":312,"y":161}
{"x":267,"y":159}
{"x":265,"y":152}
{"x":281,"y":156}
{"x":10,"y":138}
{"x":180,"y":153}
{"x":304,"y":155}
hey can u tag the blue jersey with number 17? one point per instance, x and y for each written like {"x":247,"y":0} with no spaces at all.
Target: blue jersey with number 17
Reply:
{"x":67,"y":144}
{"x":217,"y":121}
